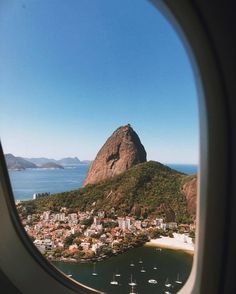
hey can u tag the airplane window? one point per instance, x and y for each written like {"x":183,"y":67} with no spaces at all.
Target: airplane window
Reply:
{"x":99,"y":128}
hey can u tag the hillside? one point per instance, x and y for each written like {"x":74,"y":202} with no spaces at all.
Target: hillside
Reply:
{"x":149,"y":188}
{"x":52,"y":165}
{"x":69,"y":161}
{"x":40,"y":160}
{"x":17,"y":163}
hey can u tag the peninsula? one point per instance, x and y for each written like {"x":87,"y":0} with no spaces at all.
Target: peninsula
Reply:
{"x":125,"y":202}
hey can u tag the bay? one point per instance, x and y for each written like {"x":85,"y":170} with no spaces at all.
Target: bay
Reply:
{"x":169,"y":264}
{"x":29,"y":181}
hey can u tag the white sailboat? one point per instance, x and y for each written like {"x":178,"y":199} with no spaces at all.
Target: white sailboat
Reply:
{"x":132,"y":264}
{"x":152,"y":281}
{"x":132,"y":290}
{"x":140,"y":261}
{"x":117,"y":274}
{"x":143,"y":270}
{"x":94,"y":273}
{"x":132,"y":283}
{"x":114,"y":282}
{"x":178,"y":281}
{"x":167,"y":283}
{"x":155,"y":268}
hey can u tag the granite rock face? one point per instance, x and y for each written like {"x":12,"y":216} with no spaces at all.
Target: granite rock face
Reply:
{"x":190,"y":191}
{"x":122,"y":150}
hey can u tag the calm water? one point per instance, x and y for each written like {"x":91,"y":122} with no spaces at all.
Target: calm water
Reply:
{"x":168,"y":262}
{"x":184,"y":168}
{"x":27,"y":182}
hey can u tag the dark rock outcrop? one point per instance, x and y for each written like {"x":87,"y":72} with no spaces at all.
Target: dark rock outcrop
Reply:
{"x":121,"y":151}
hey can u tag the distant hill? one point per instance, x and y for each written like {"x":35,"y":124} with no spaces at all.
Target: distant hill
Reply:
{"x":40,"y":160}
{"x":149,"y":188}
{"x":17,"y":163}
{"x":68,"y":161}
{"x":52,"y":165}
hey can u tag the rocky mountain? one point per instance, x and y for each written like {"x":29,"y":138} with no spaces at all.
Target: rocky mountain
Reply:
{"x":148,"y":188}
{"x":120,"y":178}
{"x":52,"y":165}
{"x":122,"y":150}
{"x":189,"y":189}
{"x":17,"y":163}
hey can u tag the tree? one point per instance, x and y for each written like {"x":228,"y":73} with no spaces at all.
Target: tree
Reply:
{"x":87,"y":221}
{"x":69,"y":240}
{"x":106,"y":250}
{"x":170,"y":234}
{"x":77,"y":241}
{"x":154,"y":234}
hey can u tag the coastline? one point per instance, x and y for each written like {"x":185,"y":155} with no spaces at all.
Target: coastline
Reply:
{"x":163,"y":242}
{"x":171,"y":243}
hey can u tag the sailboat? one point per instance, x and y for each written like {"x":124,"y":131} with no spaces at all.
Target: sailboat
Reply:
{"x":178,"y":281}
{"x":143,"y":270}
{"x":152,"y":281}
{"x":167,"y":283}
{"x":167,"y":292}
{"x":140,"y":261}
{"x":132,"y":283}
{"x":114,"y":282}
{"x":132,"y":290}
{"x":94,"y":273}
{"x":132,"y":264}
{"x":155,"y":268}
{"x":117,"y":274}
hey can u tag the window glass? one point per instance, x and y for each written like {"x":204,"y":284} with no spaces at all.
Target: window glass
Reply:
{"x":99,"y":126}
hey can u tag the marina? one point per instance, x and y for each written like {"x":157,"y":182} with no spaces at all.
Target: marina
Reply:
{"x":165,"y":271}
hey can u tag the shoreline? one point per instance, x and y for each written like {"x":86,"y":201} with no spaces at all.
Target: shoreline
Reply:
{"x":163,"y":243}
{"x":171,"y":243}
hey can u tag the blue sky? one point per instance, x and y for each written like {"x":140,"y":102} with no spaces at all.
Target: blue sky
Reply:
{"x":73,"y":71}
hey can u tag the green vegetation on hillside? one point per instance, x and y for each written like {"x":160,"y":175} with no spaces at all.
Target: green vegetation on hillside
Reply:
{"x":148,"y":188}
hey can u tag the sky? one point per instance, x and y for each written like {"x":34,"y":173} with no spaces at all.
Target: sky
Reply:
{"x":71,"y":72}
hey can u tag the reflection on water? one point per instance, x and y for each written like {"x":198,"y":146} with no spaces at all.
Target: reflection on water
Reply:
{"x":153,"y":271}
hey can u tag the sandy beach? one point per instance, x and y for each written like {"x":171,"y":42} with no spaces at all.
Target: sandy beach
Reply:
{"x":171,"y":243}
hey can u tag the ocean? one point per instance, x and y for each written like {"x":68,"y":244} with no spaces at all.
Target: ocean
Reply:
{"x":27,"y":182}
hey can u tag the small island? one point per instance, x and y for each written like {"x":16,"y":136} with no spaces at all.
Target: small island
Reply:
{"x":51,"y":165}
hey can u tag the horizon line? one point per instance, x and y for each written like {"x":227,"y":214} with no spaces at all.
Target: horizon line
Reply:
{"x":32,"y":157}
